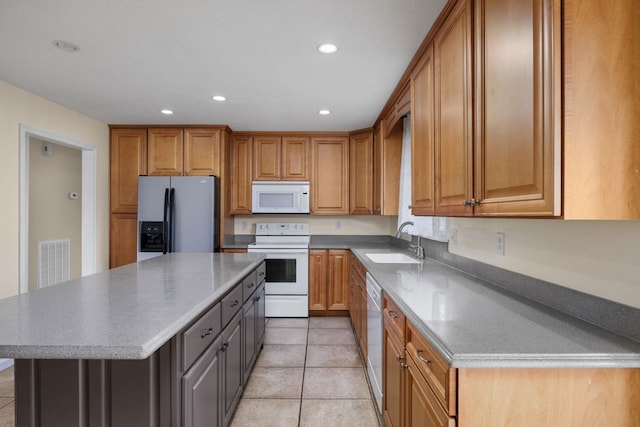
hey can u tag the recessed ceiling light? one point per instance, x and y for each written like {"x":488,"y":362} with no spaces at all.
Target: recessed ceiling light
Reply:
{"x":167,"y":112}
{"x":218,"y":98}
{"x":324,"y":112}
{"x":66,"y":46}
{"x":328,"y":48}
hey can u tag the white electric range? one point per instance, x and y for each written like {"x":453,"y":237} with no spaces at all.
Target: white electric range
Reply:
{"x":286,"y":246}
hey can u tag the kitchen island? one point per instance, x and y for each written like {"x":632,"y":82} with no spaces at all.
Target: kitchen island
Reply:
{"x":124,"y":347}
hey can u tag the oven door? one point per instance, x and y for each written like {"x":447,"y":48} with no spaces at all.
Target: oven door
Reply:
{"x":287,"y":271}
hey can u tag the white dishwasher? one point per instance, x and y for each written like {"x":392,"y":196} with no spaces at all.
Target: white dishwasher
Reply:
{"x":374,"y":338}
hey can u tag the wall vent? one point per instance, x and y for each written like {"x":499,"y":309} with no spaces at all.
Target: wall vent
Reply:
{"x":53,"y":262}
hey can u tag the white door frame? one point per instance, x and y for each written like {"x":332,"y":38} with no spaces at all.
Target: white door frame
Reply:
{"x":88,"y":200}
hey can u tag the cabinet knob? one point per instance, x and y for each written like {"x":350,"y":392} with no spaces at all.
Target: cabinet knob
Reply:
{"x":399,"y":357}
{"x":403,"y":366}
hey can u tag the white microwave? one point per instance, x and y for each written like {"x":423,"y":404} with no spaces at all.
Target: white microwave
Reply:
{"x":280,"y":197}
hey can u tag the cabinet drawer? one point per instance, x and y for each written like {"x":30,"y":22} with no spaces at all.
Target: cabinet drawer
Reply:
{"x":438,"y":374}
{"x":231,"y":304}
{"x":199,"y":335}
{"x":249,"y":285}
{"x":394,"y":318}
{"x":261,"y":272}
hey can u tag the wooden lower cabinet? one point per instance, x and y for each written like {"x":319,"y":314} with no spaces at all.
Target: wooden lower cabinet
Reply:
{"x":392,"y":381}
{"x":123,"y":239}
{"x":358,"y":302}
{"x":328,"y":281}
{"x":421,"y":405}
{"x":420,"y":389}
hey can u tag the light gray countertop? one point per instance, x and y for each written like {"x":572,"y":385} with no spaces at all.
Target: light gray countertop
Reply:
{"x":123,"y":313}
{"x":475,"y":324}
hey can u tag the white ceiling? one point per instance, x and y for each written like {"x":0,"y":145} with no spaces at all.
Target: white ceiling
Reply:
{"x":139,"y":56}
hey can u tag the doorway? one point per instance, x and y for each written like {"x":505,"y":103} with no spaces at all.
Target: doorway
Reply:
{"x":41,"y":146}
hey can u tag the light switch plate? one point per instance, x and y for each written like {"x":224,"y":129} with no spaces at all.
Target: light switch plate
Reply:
{"x":500,"y":244}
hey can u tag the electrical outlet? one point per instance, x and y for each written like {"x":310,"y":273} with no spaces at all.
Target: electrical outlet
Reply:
{"x":454,"y":237}
{"x":338,"y":225}
{"x":500,"y":244}
{"x":245,"y":225}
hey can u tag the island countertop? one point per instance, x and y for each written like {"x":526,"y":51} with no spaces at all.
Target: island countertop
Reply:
{"x":123,"y":313}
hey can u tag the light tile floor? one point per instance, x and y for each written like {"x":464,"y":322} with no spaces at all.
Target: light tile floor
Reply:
{"x":309,"y":374}
{"x":7,"y":417}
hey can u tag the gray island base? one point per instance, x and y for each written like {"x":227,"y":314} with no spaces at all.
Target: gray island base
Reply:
{"x":166,"y":342}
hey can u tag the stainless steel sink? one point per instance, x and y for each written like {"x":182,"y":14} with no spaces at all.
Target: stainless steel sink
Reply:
{"x":392,"y":258}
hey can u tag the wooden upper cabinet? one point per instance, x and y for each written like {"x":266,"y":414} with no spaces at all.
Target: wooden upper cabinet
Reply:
{"x":278,"y":158}
{"x":241,"y":156}
{"x":601,"y":45}
{"x":295,"y":158}
{"x":517,"y":138}
{"x":387,"y":152}
{"x":330,"y":175}
{"x":266,"y":158}
{"x":422,"y":137}
{"x":165,"y":147}
{"x":128,"y":160}
{"x":453,"y":113}
{"x":361,"y":173}
{"x":203,"y":152}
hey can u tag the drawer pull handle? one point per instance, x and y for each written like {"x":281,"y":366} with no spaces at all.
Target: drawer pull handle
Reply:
{"x":251,"y":285}
{"x":224,"y":347}
{"x":233,"y":304}
{"x":206,"y":333}
{"x":422,"y":358}
{"x":392,"y":314}
{"x":399,"y":357}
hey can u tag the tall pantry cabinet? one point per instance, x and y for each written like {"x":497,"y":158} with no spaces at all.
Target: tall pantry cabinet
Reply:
{"x":172,"y":151}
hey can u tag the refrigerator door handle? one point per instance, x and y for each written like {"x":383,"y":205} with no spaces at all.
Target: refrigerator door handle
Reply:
{"x":165,"y":224}
{"x":172,"y":212}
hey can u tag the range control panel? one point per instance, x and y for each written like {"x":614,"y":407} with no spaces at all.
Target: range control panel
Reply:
{"x":282,"y":229}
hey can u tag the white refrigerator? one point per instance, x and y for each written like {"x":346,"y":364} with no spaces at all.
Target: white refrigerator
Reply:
{"x":177,"y":214}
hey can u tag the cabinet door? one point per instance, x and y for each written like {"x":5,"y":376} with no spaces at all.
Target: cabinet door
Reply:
{"x":128,"y":160}
{"x":232,"y":371}
{"x":330,"y":176}
{"x":123,"y":239}
{"x":421,"y":406}
{"x":361,"y":174}
{"x":295,"y":159}
{"x":241,"y":155}
{"x":453,"y":109}
{"x":200,"y":390}
{"x":515,"y":101}
{"x":165,"y":149}
{"x":338,"y":284}
{"x":318,"y":266}
{"x":202,"y":152}
{"x":392,"y":382}
{"x":363,"y":313}
{"x":422,"y":137}
{"x":249,"y":311}
{"x":266,"y":158}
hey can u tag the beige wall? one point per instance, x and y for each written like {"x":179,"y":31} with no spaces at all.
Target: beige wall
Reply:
{"x":52,"y":214}
{"x":21,"y":107}
{"x":601,"y":258}
{"x":348,"y":225}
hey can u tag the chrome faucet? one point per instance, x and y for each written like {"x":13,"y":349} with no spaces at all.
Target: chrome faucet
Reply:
{"x":403,"y":225}
{"x":419,"y":250}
